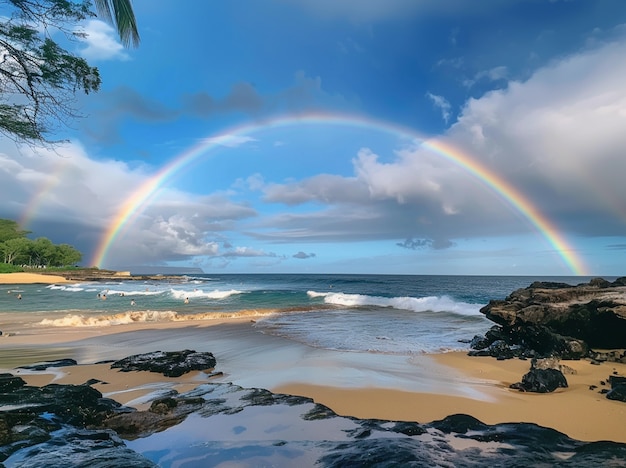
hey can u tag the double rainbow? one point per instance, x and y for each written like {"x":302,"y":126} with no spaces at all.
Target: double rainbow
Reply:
{"x":140,"y":197}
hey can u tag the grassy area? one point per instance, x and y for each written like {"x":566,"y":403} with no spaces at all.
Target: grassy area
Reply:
{"x":8,"y":268}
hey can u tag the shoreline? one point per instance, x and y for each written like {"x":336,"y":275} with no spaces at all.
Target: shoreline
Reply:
{"x":420,"y":388}
{"x":79,"y":276}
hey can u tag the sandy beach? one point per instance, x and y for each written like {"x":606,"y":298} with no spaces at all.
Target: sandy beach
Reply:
{"x":419,"y":388}
{"x":427,"y":388}
{"x":30,"y":278}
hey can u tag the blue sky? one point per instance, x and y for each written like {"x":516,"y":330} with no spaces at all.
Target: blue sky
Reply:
{"x":532,"y":90}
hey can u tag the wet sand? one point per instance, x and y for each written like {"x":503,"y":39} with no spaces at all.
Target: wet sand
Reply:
{"x":577,"y":411}
{"x":419,"y":388}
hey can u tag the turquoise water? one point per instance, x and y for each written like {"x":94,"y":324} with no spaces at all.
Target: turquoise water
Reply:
{"x":373,"y":313}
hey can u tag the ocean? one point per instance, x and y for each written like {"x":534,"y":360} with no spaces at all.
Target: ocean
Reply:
{"x":335,"y":331}
{"x":387,"y":314}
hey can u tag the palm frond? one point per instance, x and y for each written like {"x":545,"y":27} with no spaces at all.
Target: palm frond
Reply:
{"x":120,"y":14}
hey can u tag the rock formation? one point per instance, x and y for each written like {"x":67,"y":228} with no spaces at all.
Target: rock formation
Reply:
{"x":219,"y":423}
{"x":557,"y":319}
{"x":170,"y":364}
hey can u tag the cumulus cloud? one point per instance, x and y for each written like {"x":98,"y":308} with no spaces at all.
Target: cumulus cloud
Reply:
{"x":100,"y":42}
{"x":69,"y":194}
{"x":556,"y":138}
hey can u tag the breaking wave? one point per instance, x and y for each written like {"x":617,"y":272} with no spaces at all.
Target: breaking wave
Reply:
{"x":123,"y":318}
{"x":416,"y":304}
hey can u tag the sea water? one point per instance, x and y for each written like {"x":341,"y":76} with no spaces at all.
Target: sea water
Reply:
{"x":358,"y":330}
{"x":391,"y":314}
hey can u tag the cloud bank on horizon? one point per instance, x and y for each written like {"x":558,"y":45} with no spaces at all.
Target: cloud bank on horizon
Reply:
{"x":532,"y":90}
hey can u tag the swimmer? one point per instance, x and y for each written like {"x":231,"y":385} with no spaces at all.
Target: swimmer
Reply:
{"x":132,"y":302}
{"x":186,"y":300}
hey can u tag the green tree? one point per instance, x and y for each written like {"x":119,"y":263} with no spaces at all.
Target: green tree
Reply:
{"x":42,"y":251}
{"x":65,"y":255}
{"x":39,"y":79}
{"x":15,"y":251}
{"x":11,"y":230}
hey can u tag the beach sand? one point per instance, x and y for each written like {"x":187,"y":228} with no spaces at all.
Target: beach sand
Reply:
{"x":420,"y":388}
{"x":30,"y":278}
{"x":577,"y":411}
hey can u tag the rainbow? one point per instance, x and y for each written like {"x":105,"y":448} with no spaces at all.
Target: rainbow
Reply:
{"x":43,"y":192}
{"x":140,"y":197}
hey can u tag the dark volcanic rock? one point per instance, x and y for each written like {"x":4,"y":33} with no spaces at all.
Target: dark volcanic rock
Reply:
{"x":593,"y":313}
{"x":222,"y":423}
{"x":170,"y":364}
{"x":541,"y":381}
{"x":40,"y":366}
{"x":10,"y":382}
{"x":31,"y":414}
{"x":82,"y":448}
{"x":556,"y":319}
{"x":163,"y":413}
{"x":618,"y":392}
{"x":618,"y":388}
{"x":616,"y":380}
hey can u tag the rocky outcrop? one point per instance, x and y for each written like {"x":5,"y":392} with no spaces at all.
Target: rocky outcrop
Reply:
{"x":556,"y":319}
{"x":168,"y":363}
{"x":541,"y":381}
{"x":31,"y":415}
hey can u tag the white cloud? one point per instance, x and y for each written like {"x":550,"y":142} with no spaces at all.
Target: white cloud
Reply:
{"x":101,"y":43}
{"x":230,"y":141}
{"x":83,"y":197}
{"x":442,"y":104}
{"x":559,"y":136}
{"x":494,"y":74}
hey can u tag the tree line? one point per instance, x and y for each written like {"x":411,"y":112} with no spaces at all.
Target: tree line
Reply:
{"x":17,"y":249}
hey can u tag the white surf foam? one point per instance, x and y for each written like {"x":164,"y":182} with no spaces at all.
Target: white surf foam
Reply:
{"x":416,"y":304}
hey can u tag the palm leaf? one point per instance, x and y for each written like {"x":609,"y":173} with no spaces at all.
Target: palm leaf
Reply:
{"x":120,"y":14}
